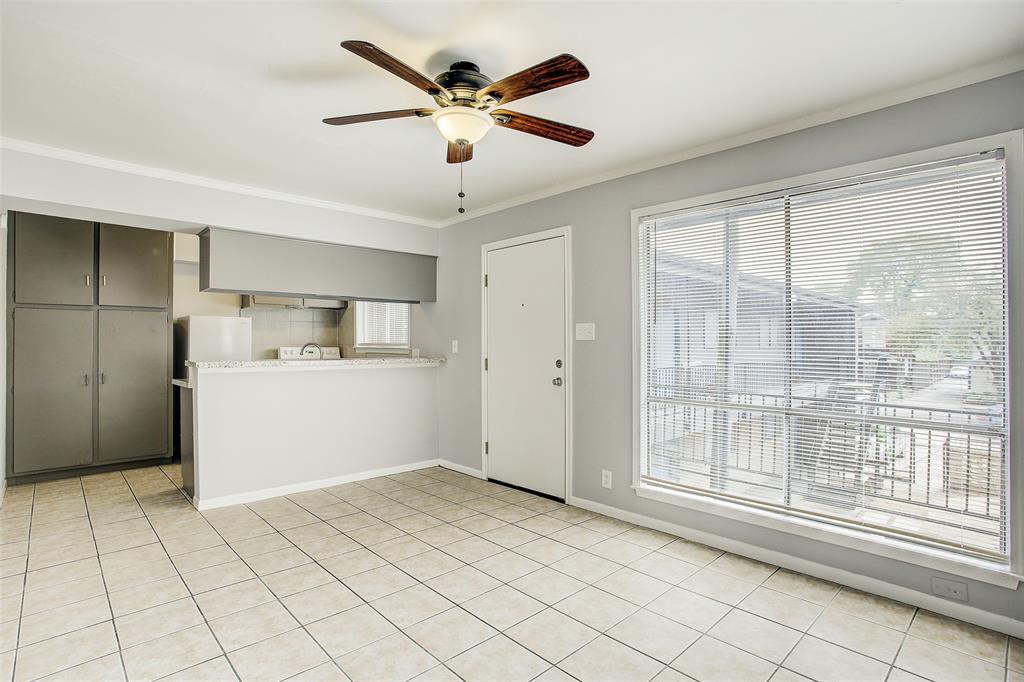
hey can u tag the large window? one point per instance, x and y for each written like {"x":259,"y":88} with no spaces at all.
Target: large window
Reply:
{"x":836,"y":352}
{"x":382,"y":326}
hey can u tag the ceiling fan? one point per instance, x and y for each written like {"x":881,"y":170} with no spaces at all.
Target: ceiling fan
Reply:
{"x":466,"y":99}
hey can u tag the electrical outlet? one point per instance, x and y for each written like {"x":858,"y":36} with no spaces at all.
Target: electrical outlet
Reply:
{"x":455,"y":346}
{"x":949,"y":589}
{"x":606,"y":479}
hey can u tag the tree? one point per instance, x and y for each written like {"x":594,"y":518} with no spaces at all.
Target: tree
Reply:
{"x":932,"y":309}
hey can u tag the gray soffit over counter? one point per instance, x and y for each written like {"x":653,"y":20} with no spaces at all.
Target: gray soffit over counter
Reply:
{"x":243,"y":262}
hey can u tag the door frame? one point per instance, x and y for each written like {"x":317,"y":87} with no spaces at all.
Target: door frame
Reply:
{"x":566,"y":233}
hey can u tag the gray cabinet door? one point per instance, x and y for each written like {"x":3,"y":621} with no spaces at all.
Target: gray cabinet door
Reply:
{"x":134,"y":268}
{"x":53,"y":388}
{"x":134,"y":384}
{"x":53,"y":260}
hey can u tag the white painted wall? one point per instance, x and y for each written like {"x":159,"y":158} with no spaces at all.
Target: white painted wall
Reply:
{"x":188,"y":299}
{"x":78,"y":189}
{"x":262,"y":432}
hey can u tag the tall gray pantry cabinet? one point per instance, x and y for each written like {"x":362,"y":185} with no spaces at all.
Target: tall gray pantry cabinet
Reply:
{"x":89,"y":362}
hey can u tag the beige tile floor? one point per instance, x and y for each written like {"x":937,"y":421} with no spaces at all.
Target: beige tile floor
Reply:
{"x":429,"y":575}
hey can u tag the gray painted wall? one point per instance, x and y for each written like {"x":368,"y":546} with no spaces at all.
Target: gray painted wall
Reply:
{"x":599,"y":215}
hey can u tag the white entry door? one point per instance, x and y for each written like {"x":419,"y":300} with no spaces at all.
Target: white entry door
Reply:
{"x":525,"y":365}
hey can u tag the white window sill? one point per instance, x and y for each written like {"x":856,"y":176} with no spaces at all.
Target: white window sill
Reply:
{"x":394,"y":350}
{"x":966,"y":567}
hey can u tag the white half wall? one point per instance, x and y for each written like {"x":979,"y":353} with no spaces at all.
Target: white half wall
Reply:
{"x":264,"y":432}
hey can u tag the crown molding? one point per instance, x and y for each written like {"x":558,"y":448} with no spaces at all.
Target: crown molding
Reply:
{"x":61,"y":154}
{"x":960,"y":79}
{"x":951,"y":82}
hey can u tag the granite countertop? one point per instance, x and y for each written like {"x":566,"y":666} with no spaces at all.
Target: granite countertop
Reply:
{"x":344,"y":363}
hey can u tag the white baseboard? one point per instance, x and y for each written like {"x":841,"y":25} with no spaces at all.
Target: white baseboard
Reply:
{"x":461,"y":468}
{"x":266,"y":493}
{"x":930,"y":602}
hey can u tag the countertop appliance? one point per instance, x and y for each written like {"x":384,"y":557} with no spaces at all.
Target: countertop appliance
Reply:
{"x":208,"y":338}
{"x":309,"y":352}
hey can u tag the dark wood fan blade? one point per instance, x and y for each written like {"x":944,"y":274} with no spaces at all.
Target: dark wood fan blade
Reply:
{"x":375,"y":55}
{"x":542,"y":127}
{"x":554,"y":73}
{"x":457,"y":153}
{"x":377,"y":116}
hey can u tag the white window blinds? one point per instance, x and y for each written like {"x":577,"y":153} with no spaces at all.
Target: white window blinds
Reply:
{"x":838,"y":352}
{"x":382,"y":325}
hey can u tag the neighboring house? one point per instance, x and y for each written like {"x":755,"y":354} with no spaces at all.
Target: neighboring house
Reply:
{"x":690,"y":336}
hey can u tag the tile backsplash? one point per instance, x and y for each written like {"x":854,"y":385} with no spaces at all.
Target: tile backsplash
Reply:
{"x":276,"y":326}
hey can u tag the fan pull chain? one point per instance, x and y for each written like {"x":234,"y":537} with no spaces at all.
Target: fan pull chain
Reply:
{"x":462,"y":160}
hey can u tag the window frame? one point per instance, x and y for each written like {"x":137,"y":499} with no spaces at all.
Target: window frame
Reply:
{"x":380,"y":347}
{"x":1012,"y":142}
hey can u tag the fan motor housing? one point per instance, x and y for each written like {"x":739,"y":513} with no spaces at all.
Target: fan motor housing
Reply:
{"x":463,"y":79}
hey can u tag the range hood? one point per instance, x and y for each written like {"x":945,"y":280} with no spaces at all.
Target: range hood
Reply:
{"x":250,"y":300}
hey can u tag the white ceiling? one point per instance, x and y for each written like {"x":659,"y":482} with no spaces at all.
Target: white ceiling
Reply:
{"x":235,"y":90}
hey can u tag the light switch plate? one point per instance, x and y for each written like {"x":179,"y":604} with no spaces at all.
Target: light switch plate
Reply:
{"x":455,"y":346}
{"x":586,"y":331}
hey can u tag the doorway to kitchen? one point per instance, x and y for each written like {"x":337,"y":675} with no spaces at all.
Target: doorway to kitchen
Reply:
{"x":527,"y":439}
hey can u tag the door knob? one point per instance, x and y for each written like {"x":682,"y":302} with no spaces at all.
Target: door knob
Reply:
{"x":557,"y":381}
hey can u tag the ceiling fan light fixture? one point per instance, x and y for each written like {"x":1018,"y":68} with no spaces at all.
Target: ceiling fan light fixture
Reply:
{"x":462,"y":124}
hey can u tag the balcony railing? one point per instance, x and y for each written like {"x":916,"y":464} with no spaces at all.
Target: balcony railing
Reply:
{"x":937,"y":474}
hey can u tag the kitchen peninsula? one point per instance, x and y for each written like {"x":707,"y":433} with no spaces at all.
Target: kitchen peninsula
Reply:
{"x":265,"y":428}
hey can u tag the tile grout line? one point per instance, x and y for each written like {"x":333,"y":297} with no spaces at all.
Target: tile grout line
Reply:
{"x":576,"y":550}
{"x":503,"y":583}
{"x":804,"y":633}
{"x":103,"y":579}
{"x":182,"y":579}
{"x":367,"y":603}
{"x":807,"y":633}
{"x":24,"y":583}
{"x":280,"y":601}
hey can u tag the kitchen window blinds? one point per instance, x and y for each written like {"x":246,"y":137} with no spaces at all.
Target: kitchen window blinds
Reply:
{"x":382,"y":325}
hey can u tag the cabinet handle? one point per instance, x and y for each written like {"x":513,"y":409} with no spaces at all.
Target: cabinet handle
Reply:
{"x":86,"y":379}
{"x":88,"y":280}
{"x":103,"y":280}
{"x":103,"y":378}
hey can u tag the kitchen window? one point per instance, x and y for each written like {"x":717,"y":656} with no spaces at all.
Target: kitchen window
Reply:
{"x":382,"y":326}
{"x":841,"y":356}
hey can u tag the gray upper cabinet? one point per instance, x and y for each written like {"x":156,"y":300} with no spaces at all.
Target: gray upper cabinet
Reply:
{"x":134,"y":267}
{"x":53,"y":260}
{"x":259,"y":264}
{"x":53,"y":388}
{"x":134,"y":385}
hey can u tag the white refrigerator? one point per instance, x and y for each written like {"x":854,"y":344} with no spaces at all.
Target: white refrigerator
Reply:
{"x":208,"y":338}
